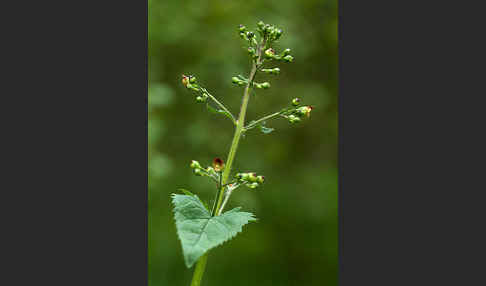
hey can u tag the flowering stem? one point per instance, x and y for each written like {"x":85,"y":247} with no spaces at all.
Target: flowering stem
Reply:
{"x":201,"y":264}
{"x":255,"y":123}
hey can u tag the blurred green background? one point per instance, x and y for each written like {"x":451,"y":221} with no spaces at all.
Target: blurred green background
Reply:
{"x":295,"y":240}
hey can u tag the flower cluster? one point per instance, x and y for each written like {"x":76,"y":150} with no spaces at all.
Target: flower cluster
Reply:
{"x":250,"y":180}
{"x":212,"y":172}
{"x":190,"y":83}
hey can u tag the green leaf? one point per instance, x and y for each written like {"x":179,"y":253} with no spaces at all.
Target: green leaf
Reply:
{"x":198,"y":231}
{"x":265,"y":129}
{"x":219,"y":111}
{"x":188,"y":193}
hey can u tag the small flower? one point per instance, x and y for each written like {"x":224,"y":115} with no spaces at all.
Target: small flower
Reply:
{"x":295,"y":101}
{"x":250,"y":35}
{"x":269,"y":53}
{"x":260,"y":179}
{"x":305,"y":110}
{"x":265,"y":85}
{"x":218,"y":164}
{"x":185,"y":80}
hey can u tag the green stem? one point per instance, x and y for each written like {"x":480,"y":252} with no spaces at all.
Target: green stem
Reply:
{"x":199,"y":272}
{"x":201,"y":263}
{"x":254,"y":123}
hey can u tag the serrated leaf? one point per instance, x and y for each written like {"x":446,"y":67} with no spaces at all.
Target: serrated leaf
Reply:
{"x":198,"y":231}
{"x":219,"y":111}
{"x":188,"y":193}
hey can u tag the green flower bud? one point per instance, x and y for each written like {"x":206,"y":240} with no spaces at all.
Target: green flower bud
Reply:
{"x":278,"y":34}
{"x":252,"y":185}
{"x":276,"y":71}
{"x":245,"y":176}
{"x":293,"y":119}
{"x":265,"y":85}
{"x":260,"y":179}
{"x":235,"y":80}
{"x":250,"y":35}
{"x":198,"y":172}
{"x":288,"y":58}
{"x":286,"y":52}
{"x":295,"y":101}
{"x":195,"y":164}
{"x":201,"y":99}
{"x":241,"y":28}
{"x":192,"y":79}
{"x":261,"y":25}
{"x":251,"y":51}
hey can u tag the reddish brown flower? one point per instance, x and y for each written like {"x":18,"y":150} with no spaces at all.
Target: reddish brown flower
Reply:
{"x":218,"y":164}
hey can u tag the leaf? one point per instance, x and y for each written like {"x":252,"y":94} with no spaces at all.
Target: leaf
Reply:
{"x":265,"y":129}
{"x":219,"y":111}
{"x":198,"y":231}
{"x":188,"y":193}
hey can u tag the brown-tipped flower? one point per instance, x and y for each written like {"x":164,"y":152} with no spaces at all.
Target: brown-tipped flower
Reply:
{"x":305,"y":110}
{"x":185,"y":80}
{"x":269,"y":53}
{"x":218,"y":164}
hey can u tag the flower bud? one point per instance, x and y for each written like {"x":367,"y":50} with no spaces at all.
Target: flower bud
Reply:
{"x":195,"y":164}
{"x":288,"y":58}
{"x":235,"y":80}
{"x":270,"y":53}
{"x":198,"y":172}
{"x":185,"y":80}
{"x":241,"y":28}
{"x":260,"y":179}
{"x":192,"y":79}
{"x":251,"y":51}
{"x":286,"y":52}
{"x":295,"y":101}
{"x":293,"y":119}
{"x":250,"y":35}
{"x":252,"y":177}
{"x":265,"y":85}
{"x":261,"y":24}
{"x":201,"y":99}
{"x":304,"y":110}
{"x":218,"y":164}
{"x":252,"y":185}
{"x":278,"y":33}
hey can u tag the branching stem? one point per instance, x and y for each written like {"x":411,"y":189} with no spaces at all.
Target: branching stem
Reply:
{"x":201,"y":264}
